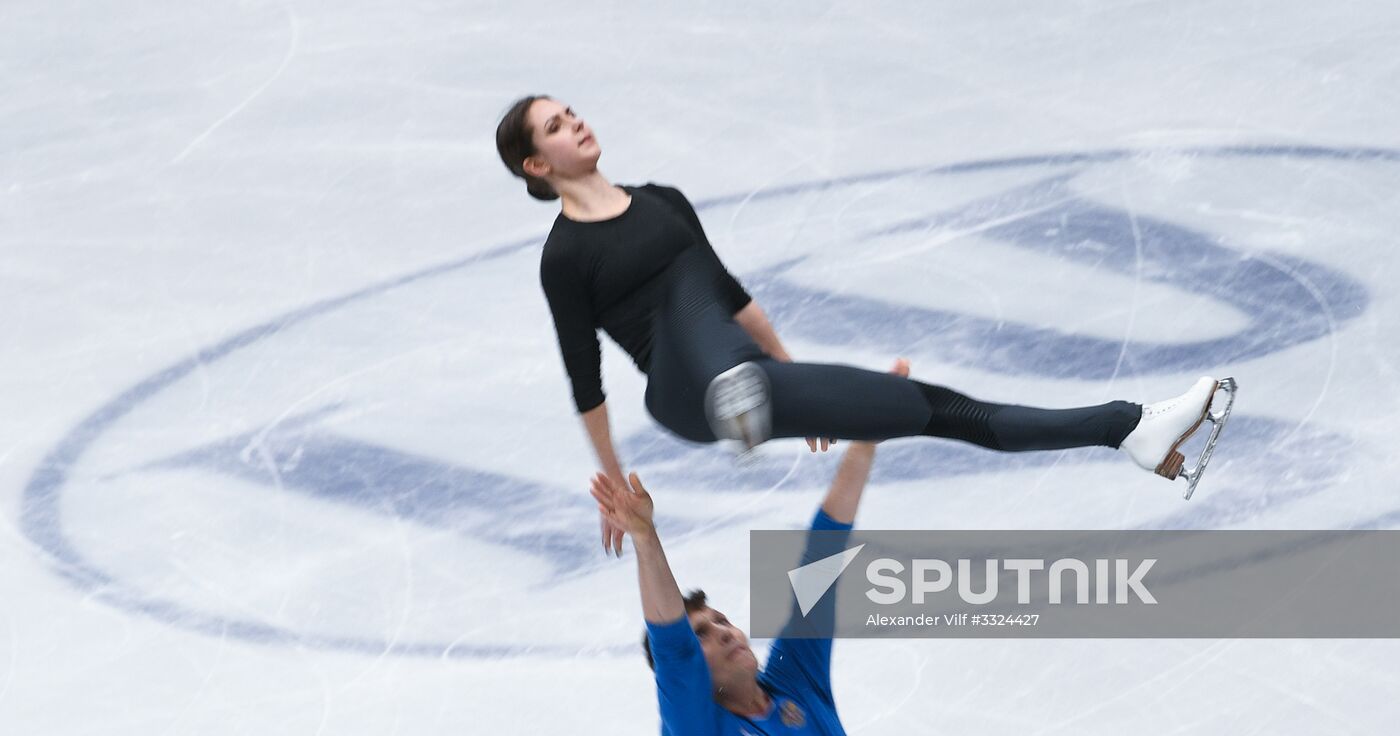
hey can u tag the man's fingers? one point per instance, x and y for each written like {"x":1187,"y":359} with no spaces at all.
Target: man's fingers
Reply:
{"x":605,"y":490}
{"x":812,"y":444}
{"x":826,"y":444}
{"x":636,"y":483}
{"x":606,"y":501}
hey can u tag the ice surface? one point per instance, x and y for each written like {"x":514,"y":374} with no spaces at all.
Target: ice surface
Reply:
{"x":286,"y":446}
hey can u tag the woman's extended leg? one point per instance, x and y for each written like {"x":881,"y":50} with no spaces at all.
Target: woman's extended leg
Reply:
{"x":851,"y":403}
{"x":695,"y":341}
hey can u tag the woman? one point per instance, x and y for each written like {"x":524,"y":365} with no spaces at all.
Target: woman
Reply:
{"x":635,"y":261}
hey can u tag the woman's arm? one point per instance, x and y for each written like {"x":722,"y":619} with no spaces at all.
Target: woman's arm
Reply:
{"x":755,"y":322}
{"x":595,"y":421}
{"x":582,"y":354}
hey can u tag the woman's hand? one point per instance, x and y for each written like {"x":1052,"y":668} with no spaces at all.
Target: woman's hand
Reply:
{"x":612,"y":536}
{"x":628,"y":509}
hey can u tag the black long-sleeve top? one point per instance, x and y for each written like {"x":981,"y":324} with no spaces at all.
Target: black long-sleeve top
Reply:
{"x":612,"y":274}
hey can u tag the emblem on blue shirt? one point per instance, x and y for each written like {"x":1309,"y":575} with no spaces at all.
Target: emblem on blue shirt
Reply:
{"x":793,"y":717}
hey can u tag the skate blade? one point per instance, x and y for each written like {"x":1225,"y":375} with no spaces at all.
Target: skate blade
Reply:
{"x":1171,"y":465}
{"x":737,"y":406}
{"x":1217,"y":415}
{"x":747,"y":457}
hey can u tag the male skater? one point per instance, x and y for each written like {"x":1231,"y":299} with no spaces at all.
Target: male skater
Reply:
{"x":707,"y":678}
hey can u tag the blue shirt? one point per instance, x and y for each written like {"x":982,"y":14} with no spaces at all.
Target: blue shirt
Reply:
{"x":797,"y":675}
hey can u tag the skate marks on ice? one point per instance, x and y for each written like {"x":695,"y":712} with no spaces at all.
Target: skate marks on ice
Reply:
{"x":301,"y":455}
{"x":1287,"y":301}
{"x":42,"y":516}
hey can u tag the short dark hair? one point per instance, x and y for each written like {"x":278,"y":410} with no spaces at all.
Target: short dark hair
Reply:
{"x":694,"y":601}
{"x":514,"y":143}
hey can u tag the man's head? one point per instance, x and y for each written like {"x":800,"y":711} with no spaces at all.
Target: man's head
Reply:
{"x":726,"y":648}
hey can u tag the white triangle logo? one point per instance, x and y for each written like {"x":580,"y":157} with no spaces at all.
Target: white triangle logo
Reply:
{"x":811,"y":581}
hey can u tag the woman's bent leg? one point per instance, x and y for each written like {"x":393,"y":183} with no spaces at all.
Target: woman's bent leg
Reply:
{"x":694,"y":339}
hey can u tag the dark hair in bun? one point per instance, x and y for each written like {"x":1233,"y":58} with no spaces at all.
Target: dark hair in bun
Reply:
{"x":513,"y":142}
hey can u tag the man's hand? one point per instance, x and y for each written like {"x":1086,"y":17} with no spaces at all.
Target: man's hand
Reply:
{"x":843,"y":498}
{"x":623,"y":509}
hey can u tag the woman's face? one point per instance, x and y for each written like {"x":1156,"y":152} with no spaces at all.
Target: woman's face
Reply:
{"x":564,"y":144}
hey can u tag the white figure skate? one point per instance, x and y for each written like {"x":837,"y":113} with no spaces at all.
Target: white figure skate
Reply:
{"x":739,"y":407}
{"x":1166,"y":425}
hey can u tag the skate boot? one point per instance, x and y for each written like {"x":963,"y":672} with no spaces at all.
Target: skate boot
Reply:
{"x":1166,"y":425}
{"x":738,"y":405}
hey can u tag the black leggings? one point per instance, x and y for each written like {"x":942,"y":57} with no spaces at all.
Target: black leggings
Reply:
{"x":695,"y":339}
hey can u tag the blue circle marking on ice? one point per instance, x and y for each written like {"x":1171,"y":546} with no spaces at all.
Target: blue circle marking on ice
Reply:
{"x":1288,"y":301}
